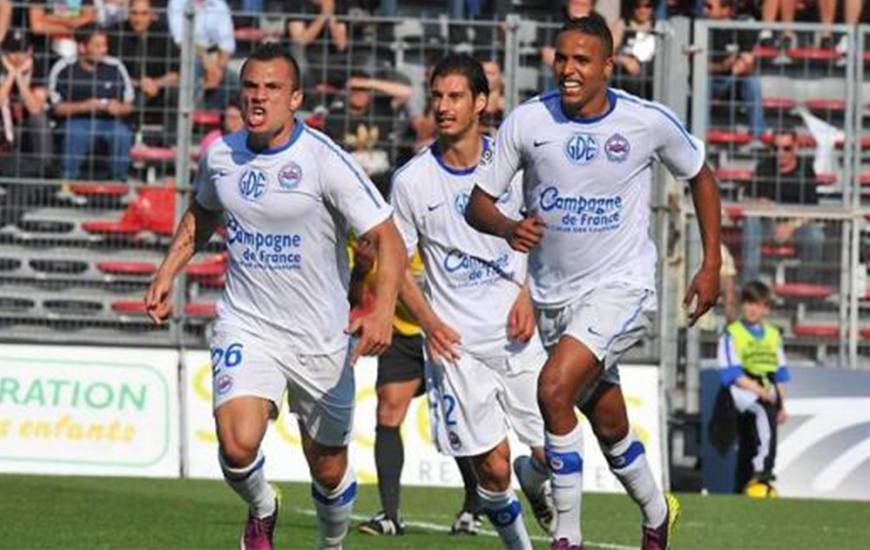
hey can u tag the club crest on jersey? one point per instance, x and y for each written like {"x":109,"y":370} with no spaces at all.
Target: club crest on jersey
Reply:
{"x":223,"y":384}
{"x":617,"y":148}
{"x":289,"y":176}
{"x":581,"y":148}
{"x":460,"y":203}
{"x":455,"y":442}
{"x":252,"y":184}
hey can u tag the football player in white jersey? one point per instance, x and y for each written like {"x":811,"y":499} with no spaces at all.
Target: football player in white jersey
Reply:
{"x":287,"y":194}
{"x":587,"y":153}
{"x":484,"y":352}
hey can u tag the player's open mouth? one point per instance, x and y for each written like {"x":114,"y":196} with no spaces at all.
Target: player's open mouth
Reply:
{"x":256,"y":116}
{"x":570,"y":86}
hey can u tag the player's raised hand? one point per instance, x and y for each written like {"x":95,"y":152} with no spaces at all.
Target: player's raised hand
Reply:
{"x":375,"y":333}
{"x":158,"y":299}
{"x":703,"y":291}
{"x":526,"y":234}
{"x":442,"y":341}
{"x":521,"y":318}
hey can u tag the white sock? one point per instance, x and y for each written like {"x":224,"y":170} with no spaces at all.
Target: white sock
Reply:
{"x":506,"y":515}
{"x":565,"y":458}
{"x":333,"y":510}
{"x":250,"y":484}
{"x":533,"y":478}
{"x":628,"y":463}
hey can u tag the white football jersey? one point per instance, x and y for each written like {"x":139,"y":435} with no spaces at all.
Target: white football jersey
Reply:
{"x":590,"y":181}
{"x":471,"y":279}
{"x":287,"y":212}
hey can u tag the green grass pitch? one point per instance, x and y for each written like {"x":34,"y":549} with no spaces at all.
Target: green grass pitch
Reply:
{"x":88,"y":512}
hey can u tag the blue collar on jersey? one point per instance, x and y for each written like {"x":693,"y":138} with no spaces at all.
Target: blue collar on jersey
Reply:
{"x":611,"y":99}
{"x":436,"y":152}
{"x":298,"y":127}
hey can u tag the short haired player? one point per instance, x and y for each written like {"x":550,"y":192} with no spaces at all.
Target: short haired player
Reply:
{"x":477,"y":318}
{"x":587,"y":153}
{"x":287,"y":194}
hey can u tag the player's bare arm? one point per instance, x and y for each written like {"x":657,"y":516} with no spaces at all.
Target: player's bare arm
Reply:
{"x":194,"y":230}
{"x":483,"y":215}
{"x":521,"y":319}
{"x":375,"y":329}
{"x":704,"y":288}
{"x":441,"y":338}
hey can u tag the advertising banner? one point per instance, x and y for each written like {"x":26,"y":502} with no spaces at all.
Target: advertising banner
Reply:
{"x":89,"y":411}
{"x":423,"y":464}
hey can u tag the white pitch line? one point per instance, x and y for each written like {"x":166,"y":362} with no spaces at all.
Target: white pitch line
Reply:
{"x":438,"y":528}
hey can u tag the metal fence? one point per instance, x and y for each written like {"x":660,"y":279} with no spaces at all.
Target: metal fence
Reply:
{"x":80,"y":240}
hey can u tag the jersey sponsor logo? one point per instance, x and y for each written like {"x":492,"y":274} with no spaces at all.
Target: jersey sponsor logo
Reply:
{"x":473,"y":271}
{"x":263,"y":250}
{"x":289,"y":176}
{"x":581,"y":214}
{"x":617,"y":148}
{"x":252,"y":184}
{"x":581,"y":148}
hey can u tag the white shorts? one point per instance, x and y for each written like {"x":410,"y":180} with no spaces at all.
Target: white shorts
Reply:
{"x":320,"y":388}
{"x":473,"y":402}
{"x":608,"y":320}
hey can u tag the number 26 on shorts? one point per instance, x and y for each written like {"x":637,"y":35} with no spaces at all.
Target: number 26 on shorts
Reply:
{"x":229,"y":357}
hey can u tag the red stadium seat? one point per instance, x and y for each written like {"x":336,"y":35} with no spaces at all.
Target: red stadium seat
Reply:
{"x":826,"y":104}
{"x":802,"y":291}
{"x":205,"y":117}
{"x":100,"y":189}
{"x":809,"y":330}
{"x":726,"y":137}
{"x":209,"y":268}
{"x":734,"y":174}
{"x":147,"y":153}
{"x":734,"y":212}
{"x":805,"y":140}
{"x":200,"y":309}
{"x":779,"y":103}
{"x":864,"y":178}
{"x":153,"y":210}
{"x":129,"y":307}
{"x":814,"y":54}
{"x":765,"y":52}
{"x":778,"y":250}
{"x":127,"y":268}
{"x":865,"y":333}
{"x":825,"y":179}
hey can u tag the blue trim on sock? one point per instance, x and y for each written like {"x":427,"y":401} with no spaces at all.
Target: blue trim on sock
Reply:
{"x":232,"y":476}
{"x":564,"y":463}
{"x":345,"y":497}
{"x":625,"y":459}
{"x":506,"y":515}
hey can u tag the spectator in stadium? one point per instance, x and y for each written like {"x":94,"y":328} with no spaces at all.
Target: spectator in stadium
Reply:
{"x":633,"y":62}
{"x":788,"y":39}
{"x":753,"y":367}
{"x":365,"y":122}
{"x":851,"y":16}
{"x":25,"y":142}
{"x":494,"y":112}
{"x":143,"y":46}
{"x":575,"y":9}
{"x":94,"y":95}
{"x":784,"y":178}
{"x":732,"y":64}
{"x":31,"y":140}
{"x":52,"y":25}
{"x":6,"y":10}
{"x":320,"y":43}
{"x":215,"y":45}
